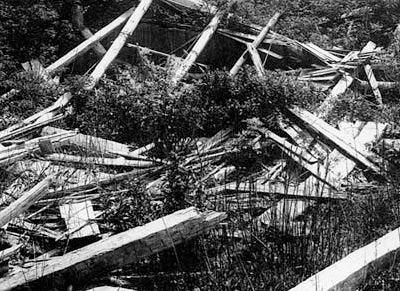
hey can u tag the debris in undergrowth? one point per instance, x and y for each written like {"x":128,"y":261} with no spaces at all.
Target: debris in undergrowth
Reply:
{"x":102,"y":205}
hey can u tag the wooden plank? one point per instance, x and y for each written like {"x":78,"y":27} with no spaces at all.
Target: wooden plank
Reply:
{"x":118,"y":162}
{"x":109,"y":288}
{"x":201,"y":43}
{"x":15,"y":152}
{"x":89,"y":43}
{"x":100,"y":145}
{"x":25,"y":201}
{"x":320,"y":53}
{"x":351,"y":271}
{"x":79,"y":215}
{"x":259,"y":39}
{"x":373,"y":83}
{"x":118,"y":43}
{"x":118,"y":250}
{"x":333,"y":135}
{"x":256,"y":60}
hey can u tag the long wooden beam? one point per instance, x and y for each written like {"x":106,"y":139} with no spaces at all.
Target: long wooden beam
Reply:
{"x":351,"y":271}
{"x":24,"y":202}
{"x":201,"y":43}
{"x":118,"y":43}
{"x":118,"y":250}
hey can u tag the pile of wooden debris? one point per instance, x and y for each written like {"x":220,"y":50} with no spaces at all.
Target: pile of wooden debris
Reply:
{"x":59,"y":174}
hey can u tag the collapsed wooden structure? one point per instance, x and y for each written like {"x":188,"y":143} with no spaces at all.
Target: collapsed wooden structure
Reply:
{"x":326,"y":154}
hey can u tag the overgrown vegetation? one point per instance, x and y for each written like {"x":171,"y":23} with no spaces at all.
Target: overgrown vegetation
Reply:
{"x":137,"y":106}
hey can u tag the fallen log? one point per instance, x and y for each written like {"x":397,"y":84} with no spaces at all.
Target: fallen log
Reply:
{"x":118,"y":250}
{"x":24,"y":202}
{"x":118,"y":43}
{"x":351,"y":271}
{"x":259,"y":39}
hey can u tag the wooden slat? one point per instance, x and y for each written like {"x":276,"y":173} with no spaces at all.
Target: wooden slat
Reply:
{"x":351,"y":271}
{"x":256,"y":60}
{"x":118,"y":162}
{"x":334,"y":136}
{"x":24,"y":202}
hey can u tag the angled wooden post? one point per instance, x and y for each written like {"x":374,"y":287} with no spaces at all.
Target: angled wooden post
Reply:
{"x":118,"y":43}
{"x":239,"y":63}
{"x":255,"y":57}
{"x":191,"y":58}
{"x":89,"y":43}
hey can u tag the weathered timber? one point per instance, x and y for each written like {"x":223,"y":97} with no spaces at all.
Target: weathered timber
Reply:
{"x":255,"y":57}
{"x":382,"y":85}
{"x":201,"y":43}
{"x":7,"y":253}
{"x":118,"y":250}
{"x":350,"y":272}
{"x":100,"y":145}
{"x":89,"y":43}
{"x":109,"y":288}
{"x":259,"y":39}
{"x":18,"y":151}
{"x":118,"y":162}
{"x":334,"y":136}
{"x":24,"y":202}
{"x":118,"y":43}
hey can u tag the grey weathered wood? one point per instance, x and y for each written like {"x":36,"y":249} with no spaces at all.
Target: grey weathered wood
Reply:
{"x":259,"y":39}
{"x":120,"y":162}
{"x":118,"y":250}
{"x":88,"y":44}
{"x":24,"y":202}
{"x":201,"y":43}
{"x":334,"y":136}
{"x":118,"y":43}
{"x":350,"y":272}
{"x":256,"y":60}
{"x":98,"y":144}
